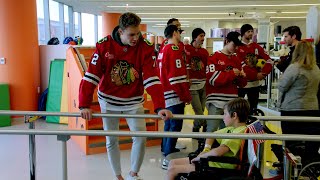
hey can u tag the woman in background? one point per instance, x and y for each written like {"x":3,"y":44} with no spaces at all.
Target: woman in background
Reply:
{"x":298,"y":89}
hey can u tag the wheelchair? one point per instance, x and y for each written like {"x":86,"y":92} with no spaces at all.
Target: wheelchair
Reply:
{"x":204,"y":172}
{"x":309,"y":169}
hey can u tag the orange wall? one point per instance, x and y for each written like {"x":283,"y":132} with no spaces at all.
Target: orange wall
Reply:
{"x":109,"y":22}
{"x":143,"y":27}
{"x":19,"y":45}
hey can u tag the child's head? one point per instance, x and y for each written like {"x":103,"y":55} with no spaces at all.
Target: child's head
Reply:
{"x":237,"y":109}
{"x":251,"y":60}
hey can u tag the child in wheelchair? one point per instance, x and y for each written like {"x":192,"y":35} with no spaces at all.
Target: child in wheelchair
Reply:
{"x":236,"y":113}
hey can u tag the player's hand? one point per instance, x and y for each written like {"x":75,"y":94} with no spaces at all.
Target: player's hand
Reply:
{"x":86,"y":113}
{"x":195,"y":159}
{"x":260,"y":76}
{"x":236,"y":71}
{"x":270,"y":61}
{"x":190,"y":82}
{"x":242,"y":73}
{"x":165,"y":114}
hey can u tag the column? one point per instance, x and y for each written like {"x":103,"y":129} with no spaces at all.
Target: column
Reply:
{"x":143,"y":29}
{"x":264,"y":31}
{"x":109,"y":22}
{"x":19,"y":46}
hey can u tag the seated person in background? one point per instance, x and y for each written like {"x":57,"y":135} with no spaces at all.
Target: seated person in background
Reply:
{"x":236,"y":113}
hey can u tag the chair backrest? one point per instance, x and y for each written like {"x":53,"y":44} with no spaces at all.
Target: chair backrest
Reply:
{"x":243,"y":155}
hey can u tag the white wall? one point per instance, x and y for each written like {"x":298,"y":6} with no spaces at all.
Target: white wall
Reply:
{"x":47,"y":54}
{"x":300,"y":23}
{"x":237,"y":24}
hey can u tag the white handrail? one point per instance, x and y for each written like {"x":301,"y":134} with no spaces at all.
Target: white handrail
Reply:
{"x":285,"y":137}
{"x":149,"y":116}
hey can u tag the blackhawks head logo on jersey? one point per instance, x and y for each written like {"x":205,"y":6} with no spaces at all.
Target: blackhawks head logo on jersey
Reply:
{"x":123,"y":73}
{"x":196,"y":63}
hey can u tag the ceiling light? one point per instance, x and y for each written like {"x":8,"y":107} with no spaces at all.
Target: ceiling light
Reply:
{"x":177,"y":13}
{"x":286,"y":12}
{"x":160,"y":21}
{"x":294,"y":12}
{"x":292,"y":17}
{"x":193,"y":18}
{"x":274,"y":17}
{"x":220,"y":6}
{"x":166,"y":24}
{"x":158,"y":26}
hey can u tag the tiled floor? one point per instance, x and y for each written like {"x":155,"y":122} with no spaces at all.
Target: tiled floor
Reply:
{"x":14,"y":158}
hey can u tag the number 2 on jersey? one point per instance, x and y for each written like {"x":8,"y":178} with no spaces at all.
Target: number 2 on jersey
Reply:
{"x":95,"y":59}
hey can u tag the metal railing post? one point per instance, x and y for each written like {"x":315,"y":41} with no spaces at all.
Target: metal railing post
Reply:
{"x":64,"y":139}
{"x":285,"y":162}
{"x":32,"y":150}
{"x":269,"y":89}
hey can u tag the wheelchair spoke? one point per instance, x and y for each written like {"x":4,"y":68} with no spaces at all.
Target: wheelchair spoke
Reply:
{"x":310,"y":171}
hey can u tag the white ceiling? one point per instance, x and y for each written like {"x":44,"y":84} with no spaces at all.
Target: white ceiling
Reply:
{"x":194,"y":12}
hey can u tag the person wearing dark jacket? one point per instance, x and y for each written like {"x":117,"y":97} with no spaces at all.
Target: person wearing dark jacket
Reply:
{"x":292,"y":35}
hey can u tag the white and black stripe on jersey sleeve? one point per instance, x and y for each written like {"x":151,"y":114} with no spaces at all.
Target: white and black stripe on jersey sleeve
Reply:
{"x":117,"y":101}
{"x":179,"y":79}
{"x":220,"y":97}
{"x":198,"y":81}
{"x":243,"y":64}
{"x":91,"y":78}
{"x":170,"y":95}
{"x":214,"y":76}
{"x":171,"y":98}
{"x":151,"y":81}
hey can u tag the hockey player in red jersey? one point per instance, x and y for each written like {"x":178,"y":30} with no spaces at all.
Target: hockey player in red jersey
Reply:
{"x":197,"y":58}
{"x":254,"y":74}
{"x":224,"y":75}
{"x":173,"y":76}
{"x":172,"y":21}
{"x":123,"y":65}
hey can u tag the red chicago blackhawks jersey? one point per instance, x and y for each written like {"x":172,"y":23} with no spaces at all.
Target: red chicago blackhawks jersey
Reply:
{"x":222,"y":84}
{"x":165,"y":42}
{"x":197,"y":61}
{"x":251,"y":72}
{"x":122,"y":72}
{"x":173,"y":75}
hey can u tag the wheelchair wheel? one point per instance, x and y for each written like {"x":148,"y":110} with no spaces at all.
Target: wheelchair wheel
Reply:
{"x":310,"y":172}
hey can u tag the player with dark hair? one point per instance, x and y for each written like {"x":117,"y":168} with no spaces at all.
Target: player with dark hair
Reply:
{"x":253,"y":73}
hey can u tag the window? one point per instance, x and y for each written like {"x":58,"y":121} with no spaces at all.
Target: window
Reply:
{"x":76,"y":24}
{"x":41,"y":26}
{"x":100,"y":27}
{"x":87,"y":27}
{"x":66,"y":21}
{"x":55,"y":26}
